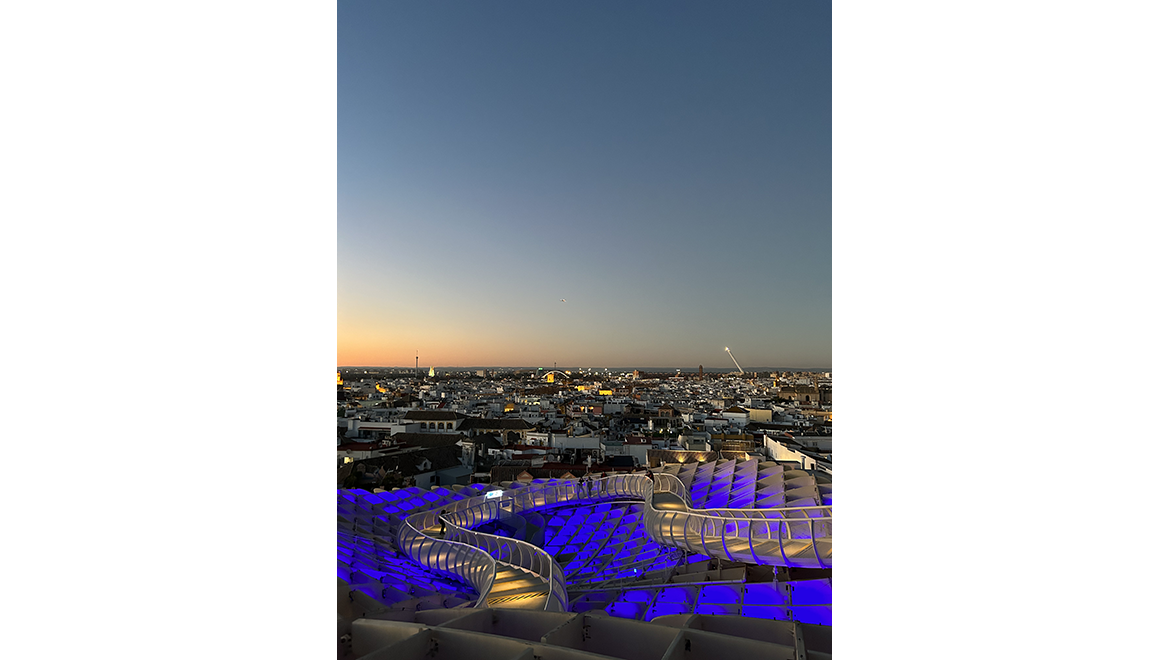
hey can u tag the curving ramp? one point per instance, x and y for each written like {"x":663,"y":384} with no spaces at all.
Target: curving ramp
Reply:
{"x":506,"y":572}
{"x":797,"y":536}
{"x":713,"y":509}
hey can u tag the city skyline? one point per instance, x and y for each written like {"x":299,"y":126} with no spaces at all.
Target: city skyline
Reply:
{"x":579,"y":369}
{"x":525,"y":184}
{"x":575,"y":368}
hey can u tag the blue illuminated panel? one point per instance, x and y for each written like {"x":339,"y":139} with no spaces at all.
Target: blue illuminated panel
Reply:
{"x":593,"y":543}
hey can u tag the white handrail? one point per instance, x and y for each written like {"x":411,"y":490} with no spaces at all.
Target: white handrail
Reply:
{"x":791,"y":523}
{"x":471,"y":564}
{"x":704,"y":531}
{"x":475,"y":511}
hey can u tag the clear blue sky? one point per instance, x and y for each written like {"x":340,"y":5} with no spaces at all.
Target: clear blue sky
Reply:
{"x":665,"y":167}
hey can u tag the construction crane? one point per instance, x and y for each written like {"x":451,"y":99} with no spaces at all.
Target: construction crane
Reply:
{"x":734,"y":360}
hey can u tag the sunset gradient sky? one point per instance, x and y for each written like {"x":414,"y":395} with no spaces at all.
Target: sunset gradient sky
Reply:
{"x":664,"y":167}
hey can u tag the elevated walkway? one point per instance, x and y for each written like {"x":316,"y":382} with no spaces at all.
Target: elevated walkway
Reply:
{"x":505,"y":572}
{"x":787,"y":536}
{"x":793,"y":536}
{"x":517,"y":588}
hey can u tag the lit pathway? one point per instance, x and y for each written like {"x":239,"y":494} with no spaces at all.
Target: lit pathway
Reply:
{"x":508,"y":572}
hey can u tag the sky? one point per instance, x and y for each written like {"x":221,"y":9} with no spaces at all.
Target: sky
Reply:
{"x":663,"y":167}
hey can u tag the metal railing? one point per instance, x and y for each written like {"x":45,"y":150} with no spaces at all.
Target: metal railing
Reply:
{"x":463,"y":561}
{"x":759,"y":536}
{"x":507,"y":550}
{"x":444,"y":553}
{"x":566,"y":491}
{"x":777,"y":536}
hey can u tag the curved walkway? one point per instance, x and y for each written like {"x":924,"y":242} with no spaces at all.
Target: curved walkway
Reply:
{"x":512,"y":573}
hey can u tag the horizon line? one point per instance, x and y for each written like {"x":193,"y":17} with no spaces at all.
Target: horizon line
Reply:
{"x":480,"y":366}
